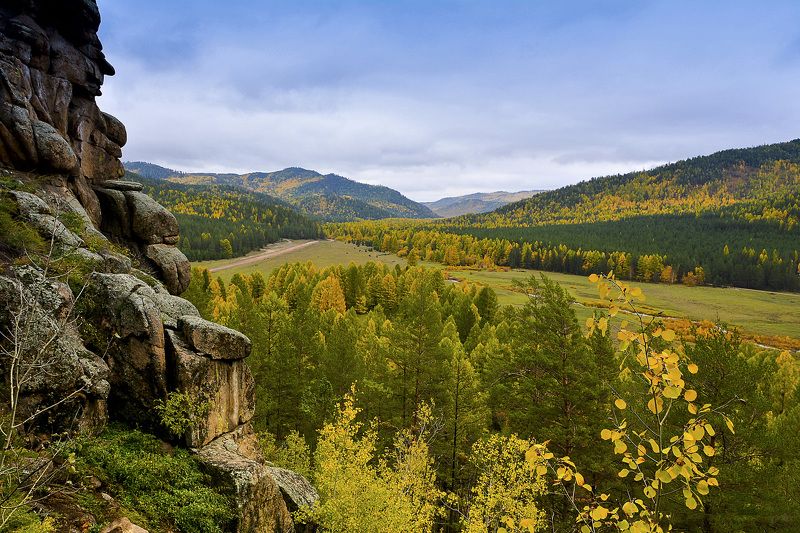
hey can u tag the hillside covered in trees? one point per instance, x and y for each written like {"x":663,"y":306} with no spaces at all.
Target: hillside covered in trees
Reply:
{"x":731,"y":218}
{"x":219,"y":221}
{"x":327,"y":197}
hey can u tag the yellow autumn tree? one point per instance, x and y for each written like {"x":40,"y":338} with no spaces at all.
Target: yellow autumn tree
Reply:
{"x":328,"y":294}
{"x":360,"y":491}
{"x":504,"y":497}
{"x":661,"y":460}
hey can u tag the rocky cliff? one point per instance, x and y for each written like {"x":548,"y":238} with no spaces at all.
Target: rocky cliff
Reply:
{"x":96,"y":306}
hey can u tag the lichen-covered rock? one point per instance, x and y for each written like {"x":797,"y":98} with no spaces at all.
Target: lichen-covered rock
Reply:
{"x":130,"y":323}
{"x":35,"y":315}
{"x":215,"y":340}
{"x":258,"y":499}
{"x":151,"y":222}
{"x":175,"y":269}
{"x":173,"y":307}
{"x":226,"y":386}
{"x":123,"y":185}
{"x":296,"y":489}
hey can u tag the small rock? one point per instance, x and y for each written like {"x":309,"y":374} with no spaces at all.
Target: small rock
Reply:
{"x":296,"y":490}
{"x":213,"y":339}
{"x":122,"y":525}
{"x":54,"y":150}
{"x":107,"y":497}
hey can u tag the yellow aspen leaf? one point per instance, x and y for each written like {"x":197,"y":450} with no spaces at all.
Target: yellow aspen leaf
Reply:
{"x":663,"y":476}
{"x":729,"y":424}
{"x":690,"y":395}
{"x":702,"y":487}
{"x":712,"y":481}
{"x":654,"y":445}
{"x":579,"y":478}
{"x":624,"y":472}
{"x":641,"y":450}
{"x":604,"y":496}
{"x":613,"y":310}
{"x":672,"y":392}
{"x":692,"y":408}
{"x":668,"y":335}
{"x":605,"y":434}
{"x":620,"y":403}
{"x":590,"y":323}
{"x":541,"y":470}
{"x":691,"y":503}
{"x":599,"y":513}
{"x":594,"y":278}
{"x":602,"y":325}
{"x":629,"y":508}
{"x":692,"y":368}
{"x":650,"y":492}
{"x":636,"y":292}
{"x":655,"y":405}
{"x":709,"y":451}
{"x":620,"y":447}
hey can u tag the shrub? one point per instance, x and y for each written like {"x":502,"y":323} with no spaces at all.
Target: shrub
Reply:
{"x":167,"y":489}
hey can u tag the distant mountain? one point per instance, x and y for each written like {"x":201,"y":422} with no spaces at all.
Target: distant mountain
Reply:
{"x":329,"y":197}
{"x":479,"y":202}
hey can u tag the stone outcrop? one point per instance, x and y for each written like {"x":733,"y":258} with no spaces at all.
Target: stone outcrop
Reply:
{"x":51,"y":69}
{"x":117,"y":340}
{"x":249,"y":482}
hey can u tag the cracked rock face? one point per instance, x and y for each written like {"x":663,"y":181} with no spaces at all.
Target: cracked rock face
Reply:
{"x":51,"y":68}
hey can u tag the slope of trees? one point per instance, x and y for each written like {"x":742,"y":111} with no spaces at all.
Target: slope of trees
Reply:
{"x":218,"y":222}
{"x":450,"y":390}
{"x":732,"y":218}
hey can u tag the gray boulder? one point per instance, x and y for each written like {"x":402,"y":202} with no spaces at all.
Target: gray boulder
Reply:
{"x":215,"y":340}
{"x":259,"y":504}
{"x":150,"y":221}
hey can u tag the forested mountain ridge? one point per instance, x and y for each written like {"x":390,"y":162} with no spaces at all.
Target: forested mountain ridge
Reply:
{"x":763,"y":182}
{"x":219,"y":221}
{"x":479,"y":202}
{"x":730,"y":218}
{"x":329,"y":197}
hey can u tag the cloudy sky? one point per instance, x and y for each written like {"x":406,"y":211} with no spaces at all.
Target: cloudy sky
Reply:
{"x":439,"y":97}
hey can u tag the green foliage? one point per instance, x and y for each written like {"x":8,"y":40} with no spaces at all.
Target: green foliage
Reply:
{"x":166,"y":488}
{"x":360,"y":491}
{"x":180,"y":410}
{"x":293,"y":453}
{"x":16,"y":235}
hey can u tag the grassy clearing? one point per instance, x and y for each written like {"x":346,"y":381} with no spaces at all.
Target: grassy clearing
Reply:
{"x":755,"y":312}
{"x":322,"y":254}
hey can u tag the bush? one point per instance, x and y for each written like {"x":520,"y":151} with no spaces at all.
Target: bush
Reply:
{"x":166,"y":488}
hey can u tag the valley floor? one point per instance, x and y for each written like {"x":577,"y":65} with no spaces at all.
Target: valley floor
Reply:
{"x":769,"y":318}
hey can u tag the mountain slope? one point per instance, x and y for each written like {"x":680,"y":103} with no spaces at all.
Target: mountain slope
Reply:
{"x":219,"y":221}
{"x":761,"y":182}
{"x":329,"y":197}
{"x":479,"y":202}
